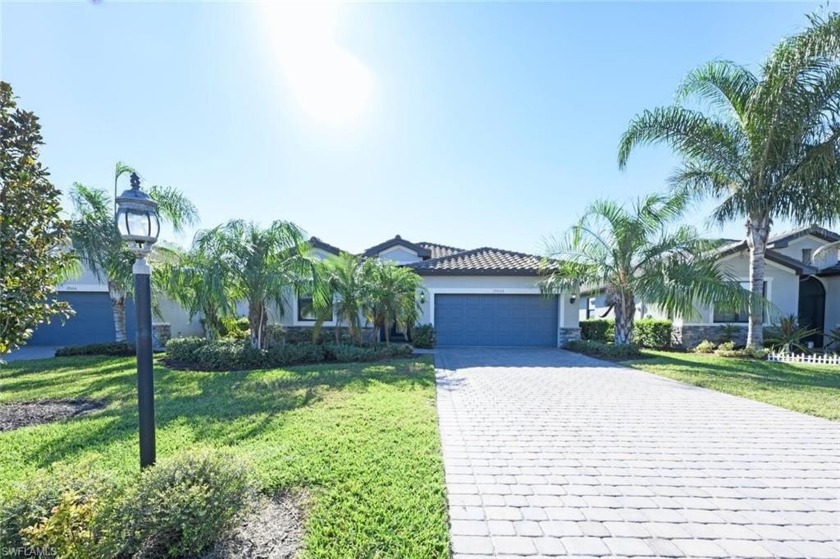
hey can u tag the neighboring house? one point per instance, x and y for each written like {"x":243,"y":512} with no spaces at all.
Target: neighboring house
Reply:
{"x":479,"y":297}
{"x":93,"y":321}
{"x":800,"y":280}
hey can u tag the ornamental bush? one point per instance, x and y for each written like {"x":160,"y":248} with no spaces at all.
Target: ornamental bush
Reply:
{"x":182,"y":350}
{"x":597,"y":330}
{"x":423,"y":336}
{"x":604,"y":350}
{"x":182,"y":505}
{"x":652,"y":333}
{"x":705,"y":347}
{"x":117,"y":349}
{"x":236,"y":355}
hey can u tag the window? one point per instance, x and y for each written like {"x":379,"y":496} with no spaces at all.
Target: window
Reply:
{"x":305,"y":310}
{"x":807,"y":255}
{"x":735,"y":316}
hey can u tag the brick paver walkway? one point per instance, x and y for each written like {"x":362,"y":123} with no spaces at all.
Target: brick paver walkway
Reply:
{"x":550,"y":453}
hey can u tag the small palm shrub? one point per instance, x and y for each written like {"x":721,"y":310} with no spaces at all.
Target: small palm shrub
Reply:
{"x":787,"y":335}
{"x":182,"y":505}
{"x":705,"y":347}
{"x":423,"y":336}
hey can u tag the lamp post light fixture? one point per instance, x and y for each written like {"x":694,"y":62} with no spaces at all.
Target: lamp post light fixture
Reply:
{"x":138,"y":223}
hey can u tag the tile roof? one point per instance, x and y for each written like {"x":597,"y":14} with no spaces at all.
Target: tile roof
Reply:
{"x":481,"y":261}
{"x":422,"y":252}
{"x":783,"y":239}
{"x":439,"y":251}
{"x":318,"y":243}
{"x":797,"y":265}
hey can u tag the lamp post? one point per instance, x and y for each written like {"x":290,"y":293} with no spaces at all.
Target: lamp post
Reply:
{"x":138,"y":223}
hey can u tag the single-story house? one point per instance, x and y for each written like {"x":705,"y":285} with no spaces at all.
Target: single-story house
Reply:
{"x":802,"y":278}
{"x":479,"y":297}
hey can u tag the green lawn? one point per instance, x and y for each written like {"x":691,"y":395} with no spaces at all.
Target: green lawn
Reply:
{"x":362,"y":438}
{"x":810,"y":389}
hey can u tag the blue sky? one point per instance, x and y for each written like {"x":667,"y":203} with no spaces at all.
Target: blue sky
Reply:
{"x":464,"y":124}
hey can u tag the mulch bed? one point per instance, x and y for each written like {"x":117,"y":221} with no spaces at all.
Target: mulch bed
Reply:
{"x":23,"y":414}
{"x":273,"y":531}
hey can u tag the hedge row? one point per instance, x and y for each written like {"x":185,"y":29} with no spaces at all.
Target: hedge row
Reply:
{"x":647,"y":332}
{"x":604,"y":350}
{"x":118,"y":349}
{"x":226,"y":355}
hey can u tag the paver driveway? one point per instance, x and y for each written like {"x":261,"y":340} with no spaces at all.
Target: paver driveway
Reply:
{"x":551,"y":453}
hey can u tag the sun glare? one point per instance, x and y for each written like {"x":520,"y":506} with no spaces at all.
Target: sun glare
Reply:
{"x":328,"y":82}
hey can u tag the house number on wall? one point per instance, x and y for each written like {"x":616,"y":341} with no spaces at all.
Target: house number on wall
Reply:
{"x":498,"y":291}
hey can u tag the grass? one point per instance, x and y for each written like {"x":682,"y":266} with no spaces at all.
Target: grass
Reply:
{"x":362,"y":438}
{"x":810,"y":389}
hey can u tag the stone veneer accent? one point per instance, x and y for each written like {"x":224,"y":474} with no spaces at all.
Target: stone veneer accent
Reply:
{"x":688,"y":336}
{"x":161,"y":333}
{"x":566,"y":335}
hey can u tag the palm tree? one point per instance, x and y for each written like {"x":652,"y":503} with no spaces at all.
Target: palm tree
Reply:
{"x":391,"y":293}
{"x":344,"y":278}
{"x":195,"y":281}
{"x":639,"y":255}
{"x":97,"y":243}
{"x":766,"y":145}
{"x":260,"y":266}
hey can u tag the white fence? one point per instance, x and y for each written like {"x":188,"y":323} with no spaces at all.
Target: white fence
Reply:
{"x":815,"y":358}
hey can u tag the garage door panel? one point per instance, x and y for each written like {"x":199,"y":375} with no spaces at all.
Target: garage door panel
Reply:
{"x":496,"y":320}
{"x":93,"y":322}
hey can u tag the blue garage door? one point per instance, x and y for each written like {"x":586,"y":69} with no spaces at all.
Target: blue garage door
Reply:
{"x":92,"y":323}
{"x":495,"y":320}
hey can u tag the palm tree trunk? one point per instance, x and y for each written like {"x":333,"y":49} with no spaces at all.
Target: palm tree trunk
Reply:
{"x":758,"y":231}
{"x":625,"y":309}
{"x":256,"y":322}
{"x":118,"y":308}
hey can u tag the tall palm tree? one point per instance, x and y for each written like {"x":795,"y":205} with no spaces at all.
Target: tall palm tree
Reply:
{"x":260,"y":266}
{"x":638,"y":254}
{"x":765,"y":145}
{"x":97,"y":243}
{"x":391,"y":293}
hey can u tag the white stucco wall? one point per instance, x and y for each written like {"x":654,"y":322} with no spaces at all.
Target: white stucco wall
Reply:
{"x":502,"y":285}
{"x":399,"y":255}
{"x":832,"y":302}
{"x":782,"y":289}
{"x":794,"y":250}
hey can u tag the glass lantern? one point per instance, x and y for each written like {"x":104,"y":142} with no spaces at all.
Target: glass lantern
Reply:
{"x":137,"y":219}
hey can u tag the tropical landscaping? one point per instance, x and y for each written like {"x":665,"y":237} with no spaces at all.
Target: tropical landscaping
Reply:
{"x":323,"y":440}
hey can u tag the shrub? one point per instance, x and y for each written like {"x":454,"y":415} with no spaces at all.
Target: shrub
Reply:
{"x":182,"y":350}
{"x":182,"y":505}
{"x":604,"y":350}
{"x":423,"y":336}
{"x":744,"y":353}
{"x":66,"y":532}
{"x":705,"y":347}
{"x":652,"y":333}
{"x":597,"y":330}
{"x":118,"y":349}
{"x":224,"y":355}
{"x":235,"y":328}
{"x":726,"y":346}
{"x":349,"y":353}
{"x":58,"y":510}
{"x":291,"y":354}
